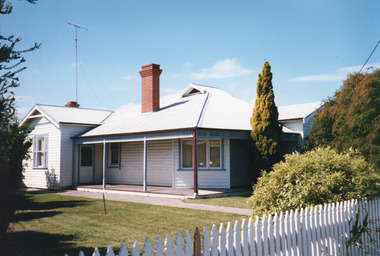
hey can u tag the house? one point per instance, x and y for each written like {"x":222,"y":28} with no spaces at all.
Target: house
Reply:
{"x":198,"y":138}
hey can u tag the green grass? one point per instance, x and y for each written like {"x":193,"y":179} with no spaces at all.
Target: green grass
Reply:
{"x":232,"y":201}
{"x":51,"y":224}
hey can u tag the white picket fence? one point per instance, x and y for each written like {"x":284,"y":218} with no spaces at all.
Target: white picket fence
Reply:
{"x":319,"y":230}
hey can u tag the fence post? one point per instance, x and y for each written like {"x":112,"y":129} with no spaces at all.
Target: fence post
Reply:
{"x":197,"y":243}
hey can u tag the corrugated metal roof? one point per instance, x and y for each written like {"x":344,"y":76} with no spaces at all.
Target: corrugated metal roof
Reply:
{"x":61,"y":114}
{"x":197,"y":106}
{"x":297,"y":111}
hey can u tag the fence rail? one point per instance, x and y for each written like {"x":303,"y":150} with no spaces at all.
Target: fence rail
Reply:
{"x":319,"y":230}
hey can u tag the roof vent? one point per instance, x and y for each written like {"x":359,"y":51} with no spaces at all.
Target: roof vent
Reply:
{"x":192,"y":89}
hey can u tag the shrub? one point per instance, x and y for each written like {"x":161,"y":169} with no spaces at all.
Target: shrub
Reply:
{"x":315,"y":177}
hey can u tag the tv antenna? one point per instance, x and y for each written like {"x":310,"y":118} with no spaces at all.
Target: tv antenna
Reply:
{"x":76,"y":57}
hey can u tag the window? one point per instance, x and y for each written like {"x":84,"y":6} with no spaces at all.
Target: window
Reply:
{"x":209,"y":153}
{"x":40,"y":151}
{"x":114,"y":155}
{"x":86,"y":156}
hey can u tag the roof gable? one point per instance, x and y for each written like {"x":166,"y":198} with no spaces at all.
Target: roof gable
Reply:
{"x":59,"y":114}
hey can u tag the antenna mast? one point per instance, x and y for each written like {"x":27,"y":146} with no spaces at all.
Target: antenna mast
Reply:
{"x":76,"y":57}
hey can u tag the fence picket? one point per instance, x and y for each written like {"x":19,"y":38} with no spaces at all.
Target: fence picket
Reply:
{"x":214,"y":241}
{"x":318,"y":230}
{"x":110,"y":251}
{"x":251,"y":238}
{"x":244,"y":238}
{"x":222,"y":240}
{"x":297,"y":230}
{"x":206,"y":242}
{"x":287,"y":234}
{"x":270,"y":236}
{"x":178,"y":245}
{"x":135,"y":249}
{"x":147,"y":248}
{"x":282,"y":234}
{"x":168,"y":246}
{"x":277,"y":238}
{"x":123,"y":250}
{"x":292,"y":233}
{"x":96,"y":253}
{"x":258,"y":236}
{"x":312,"y":231}
{"x":264,"y":232}
{"x":237,"y":241}
{"x":157,"y":247}
{"x":188,"y":247}
{"x":229,"y":238}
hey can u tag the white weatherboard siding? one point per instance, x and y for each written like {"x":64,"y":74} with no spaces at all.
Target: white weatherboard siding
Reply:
{"x":159,"y":163}
{"x":131,"y":170}
{"x":67,"y":131}
{"x":206,"y":178}
{"x":41,"y":177}
{"x":160,"y":159}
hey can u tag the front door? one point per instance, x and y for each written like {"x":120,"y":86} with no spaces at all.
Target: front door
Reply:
{"x":86,"y":172}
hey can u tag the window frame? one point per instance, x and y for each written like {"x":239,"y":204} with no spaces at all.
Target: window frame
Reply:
{"x":207,"y":167}
{"x":37,"y":152}
{"x":118,"y":151}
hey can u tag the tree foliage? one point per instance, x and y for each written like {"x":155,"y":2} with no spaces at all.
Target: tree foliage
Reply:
{"x":351,"y":118}
{"x":316,"y":177}
{"x":266,"y":130}
{"x":13,"y":144}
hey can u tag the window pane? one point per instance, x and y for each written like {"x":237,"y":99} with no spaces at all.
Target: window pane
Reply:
{"x":40,"y":159}
{"x":40,"y":144}
{"x":86,"y":156}
{"x":114,"y":154}
{"x":214,"y":153}
{"x":187,"y":154}
{"x":202,"y":162}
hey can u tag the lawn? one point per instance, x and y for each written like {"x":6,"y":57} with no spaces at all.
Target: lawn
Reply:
{"x":51,"y":224}
{"x":232,"y":201}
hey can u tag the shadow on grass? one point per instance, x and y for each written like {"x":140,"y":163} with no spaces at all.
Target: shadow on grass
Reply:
{"x":29,"y":204}
{"x":37,"y":243}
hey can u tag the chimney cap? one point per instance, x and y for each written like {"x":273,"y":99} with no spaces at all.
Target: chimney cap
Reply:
{"x":72,"y":104}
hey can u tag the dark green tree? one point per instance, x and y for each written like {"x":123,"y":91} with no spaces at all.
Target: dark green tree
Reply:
{"x":351,"y":118}
{"x":13,"y":143}
{"x":266,"y":129}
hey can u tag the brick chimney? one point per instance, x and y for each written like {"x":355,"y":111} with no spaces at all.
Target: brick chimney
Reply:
{"x":72,"y":104}
{"x":150,"y":87}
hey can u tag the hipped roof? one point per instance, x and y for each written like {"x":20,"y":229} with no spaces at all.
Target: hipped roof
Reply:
{"x":197,"y":106}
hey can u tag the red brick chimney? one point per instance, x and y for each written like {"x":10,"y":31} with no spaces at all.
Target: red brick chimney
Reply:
{"x":72,"y":104}
{"x":150,"y":87}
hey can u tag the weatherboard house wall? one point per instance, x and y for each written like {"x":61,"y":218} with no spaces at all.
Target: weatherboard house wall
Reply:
{"x":57,"y":124}
{"x":150,"y":143}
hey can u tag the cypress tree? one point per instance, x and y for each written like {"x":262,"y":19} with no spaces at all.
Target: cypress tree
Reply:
{"x":266,"y":129}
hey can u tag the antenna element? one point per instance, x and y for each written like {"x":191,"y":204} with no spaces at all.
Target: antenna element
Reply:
{"x":76,"y":57}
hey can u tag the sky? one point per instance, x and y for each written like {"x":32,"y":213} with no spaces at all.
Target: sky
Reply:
{"x":311,"y":46}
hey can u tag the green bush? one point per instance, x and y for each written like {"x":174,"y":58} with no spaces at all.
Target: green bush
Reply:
{"x":315,"y":177}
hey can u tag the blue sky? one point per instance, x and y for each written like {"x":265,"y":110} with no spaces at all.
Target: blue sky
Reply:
{"x":311,"y":46}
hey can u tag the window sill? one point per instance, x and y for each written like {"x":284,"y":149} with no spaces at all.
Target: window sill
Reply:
{"x":40,"y":168}
{"x":114,"y":167}
{"x":201,"y":169}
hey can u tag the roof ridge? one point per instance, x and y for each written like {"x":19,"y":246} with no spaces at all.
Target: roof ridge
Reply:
{"x":57,"y":106}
